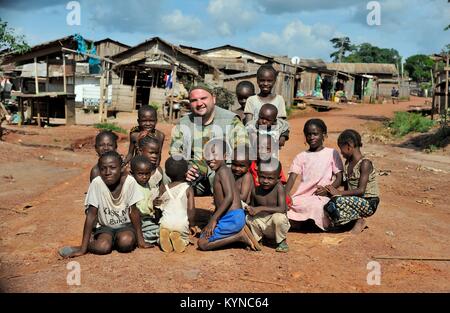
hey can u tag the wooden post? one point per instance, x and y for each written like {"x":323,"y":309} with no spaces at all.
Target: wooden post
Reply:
{"x":134,"y":89}
{"x":174,"y":79}
{"x":446,"y":91}
{"x":102,"y":94}
{"x":38,"y":113}
{"x":64,"y":73}
{"x":36,"y":82}
{"x":22,"y":117}
{"x":433,"y":85}
{"x":48,"y":112}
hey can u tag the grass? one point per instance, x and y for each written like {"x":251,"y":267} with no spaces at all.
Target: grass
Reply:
{"x":404,"y":123}
{"x":111,"y":127}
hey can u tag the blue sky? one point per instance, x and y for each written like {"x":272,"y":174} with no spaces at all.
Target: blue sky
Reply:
{"x":279,"y":27}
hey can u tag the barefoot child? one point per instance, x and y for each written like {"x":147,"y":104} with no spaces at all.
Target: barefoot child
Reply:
{"x":244,"y":90}
{"x":268,"y":124}
{"x":267,"y":213}
{"x":239,"y":166}
{"x":176,"y":201}
{"x":266,"y":77}
{"x":147,"y":119}
{"x":227,"y":224}
{"x":361,"y":196}
{"x":141,"y":170}
{"x":111,"y":202}
{"x":317,"y":167}
{"x":104,"y":141}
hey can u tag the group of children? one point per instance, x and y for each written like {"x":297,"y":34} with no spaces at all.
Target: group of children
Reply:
{"x":133,"y":202}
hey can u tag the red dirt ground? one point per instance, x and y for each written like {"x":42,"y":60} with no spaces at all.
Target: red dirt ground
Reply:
{"x":41,"y":209}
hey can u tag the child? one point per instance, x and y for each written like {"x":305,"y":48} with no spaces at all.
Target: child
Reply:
{"x":111,"y":202}
{"x":141,"y":170}
{"x":244,"y":90}
{"x":104,"y":141}
{"x":227,"y":224}
{"x":267,"y":213}
{"x":176,"y":201}
{"x":361,"y":197}
{"x":265,"y":145}
{"x":147,"y":119}
{"x":150,"y":148}
{"x":239,"y":166}
{"x":268,"y":123}
{"x":266,"y":77}
{"x":316,"y":168}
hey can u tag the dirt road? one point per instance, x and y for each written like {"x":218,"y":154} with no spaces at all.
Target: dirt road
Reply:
{"x":41,"y":209}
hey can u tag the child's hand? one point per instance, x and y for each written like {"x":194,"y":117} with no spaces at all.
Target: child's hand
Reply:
{"x":252,"y":210}
{"x":192,"y":173}
{"x":209,"y":229}
{"x":282,"y":141}
{"x":333,"y":191}
{"x":76,"y":253}
{"x":194,"y":230}
{"x":157,"y":202}
{"x":321,"y":191}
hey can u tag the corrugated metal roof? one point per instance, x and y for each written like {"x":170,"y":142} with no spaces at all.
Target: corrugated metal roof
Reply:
{"x":363,"y":68}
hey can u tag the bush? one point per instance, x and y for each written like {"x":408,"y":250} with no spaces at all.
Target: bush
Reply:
{"x":111,"y":127}
{"x":155,"y":105}
{"x":404,"y":123}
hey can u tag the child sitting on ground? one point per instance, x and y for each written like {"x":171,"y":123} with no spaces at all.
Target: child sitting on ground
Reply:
{"x":360,"y":198}
{"x":176,"y":201}
{"x":104,"y":141}
{"x":147,"y":119}
{"x":227,"y":224}
{"x":111,"y":202}
{"x":268,"y":123}
{"x":267,"y":213}
{"x":244,"y":90}
{"x":141,"y":170}
{"x":239,"y":166}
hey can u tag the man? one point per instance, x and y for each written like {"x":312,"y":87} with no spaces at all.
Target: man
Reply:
{"x":205,"y":122}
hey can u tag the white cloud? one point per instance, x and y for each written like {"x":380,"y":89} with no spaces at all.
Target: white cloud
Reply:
{"x":297,"y":39}
{"x":289,"y":6}
{"x":229,"y":16}
{"x":178,"y":25}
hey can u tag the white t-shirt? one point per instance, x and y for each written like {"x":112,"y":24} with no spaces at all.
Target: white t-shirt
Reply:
{"x":113,"y":212}
{"x":254,"y":104}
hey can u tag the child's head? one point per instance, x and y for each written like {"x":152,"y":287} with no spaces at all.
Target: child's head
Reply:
{"x":348,"y":141}
{"x":315,"y":131}
{"x":241,"y":161}
{"x":150,"y":148}
{"x":141,"y":169}
{"x":267,"y":115}
{"x":105,"y":141}
{"x":244,"y":90}
{"x":110,"y":164}
{"x":266,"y":144}
{"x":269,"y":173}
{"x":176,"y":168}
{"x":215,"y":153}
{"x":147,"y":118}
{"x":266,"y":76}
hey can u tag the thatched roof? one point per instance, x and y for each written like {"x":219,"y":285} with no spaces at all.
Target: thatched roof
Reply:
{"x":363,"y":68}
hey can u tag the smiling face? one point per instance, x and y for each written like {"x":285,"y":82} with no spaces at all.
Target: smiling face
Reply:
{"x":105,"y":144}
{"x":142,"y":173}
{"x":314,"y":136}
{"x":239,"y":167}
{"x":215,"y":156}
{"x":147,"y":120}
{"x":110,"y":170}
{"x":266,"y":81}
{"x":202,"y":102}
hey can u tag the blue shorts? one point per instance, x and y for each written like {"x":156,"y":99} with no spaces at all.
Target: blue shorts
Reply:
{"x":230,"y":224}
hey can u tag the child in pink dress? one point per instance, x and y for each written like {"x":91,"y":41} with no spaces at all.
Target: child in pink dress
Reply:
{"x":317,"y":167}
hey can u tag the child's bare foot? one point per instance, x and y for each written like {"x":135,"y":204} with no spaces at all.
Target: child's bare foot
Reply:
{"x":164,"y":240}
{"x":177,"y":242}
{"x":359,"y":226}
{"x":250,"y":239}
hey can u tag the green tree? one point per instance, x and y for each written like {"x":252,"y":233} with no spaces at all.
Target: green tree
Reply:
{"x":10,"y":41}
{"x":366,"y":53}
{"x":343,"y":45}
{"x":418,"y":67}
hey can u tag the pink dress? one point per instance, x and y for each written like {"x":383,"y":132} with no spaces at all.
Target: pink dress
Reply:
{"x":314,"y":168}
